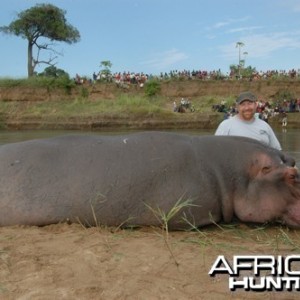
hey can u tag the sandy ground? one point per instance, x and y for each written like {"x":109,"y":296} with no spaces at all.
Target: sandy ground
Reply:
{"x":71,"y":262}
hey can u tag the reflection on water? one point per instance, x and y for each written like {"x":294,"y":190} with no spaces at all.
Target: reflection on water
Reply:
{"x":289,"y":139}
{"x":290,"y":142}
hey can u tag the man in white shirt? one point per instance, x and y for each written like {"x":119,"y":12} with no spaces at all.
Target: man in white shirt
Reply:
{"x":245,"y":124}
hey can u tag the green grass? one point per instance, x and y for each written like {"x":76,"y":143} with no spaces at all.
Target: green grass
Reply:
{"x":275,"y":239}
{"x":48,"y":82}
{"x":204,"y":104}
{"x":80,"y":105}
{"x":164,"y":218}
{"x":123,"y":106}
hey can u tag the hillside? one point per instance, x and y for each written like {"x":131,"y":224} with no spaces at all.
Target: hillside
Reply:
{"x":20,"y":106}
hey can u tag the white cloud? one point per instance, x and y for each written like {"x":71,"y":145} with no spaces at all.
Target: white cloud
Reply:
{"x":210,"y":36}
{"x":243,"y":29}
{"x":221,"y":24}
{"x":228,"y":22}
{"x":165,"y":59}
{"x":260,"y":45}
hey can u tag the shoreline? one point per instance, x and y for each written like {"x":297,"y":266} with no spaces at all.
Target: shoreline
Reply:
{"x":106,"y":106}
{"x":176,"y":121}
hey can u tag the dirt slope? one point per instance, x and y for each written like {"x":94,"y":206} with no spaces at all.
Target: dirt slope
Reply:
{"x":169,"y":89}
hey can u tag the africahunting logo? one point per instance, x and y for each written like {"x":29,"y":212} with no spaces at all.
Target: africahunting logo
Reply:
{"x":259,"y":273}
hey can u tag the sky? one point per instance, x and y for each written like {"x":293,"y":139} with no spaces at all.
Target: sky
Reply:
{"x":153,"y":36}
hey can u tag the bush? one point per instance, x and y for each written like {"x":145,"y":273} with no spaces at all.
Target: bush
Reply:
{"x":282,"y":95}
{"x":84,"y":92}
{"x":152,"y":88}
{"x":63,"y":82}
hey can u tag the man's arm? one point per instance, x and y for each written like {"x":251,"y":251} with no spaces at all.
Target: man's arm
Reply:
{"x":222,"y":129}
{"x":274,"y":143}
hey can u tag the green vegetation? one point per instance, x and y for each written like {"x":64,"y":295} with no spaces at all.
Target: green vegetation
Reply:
{"x":81,"y":107}
{"x":105,"y":71}
{"x":275,"y":238}
{"x":285,"y":94}
{"x":54,"y":72}
{"x":42,"y":21}
{"x":49,"y":82}
{"x":53,"y":98}
{"x":166,"y":217}
{"x":152,"y":88}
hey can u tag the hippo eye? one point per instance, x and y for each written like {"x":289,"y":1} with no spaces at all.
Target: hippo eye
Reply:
{"x":266,"y":169}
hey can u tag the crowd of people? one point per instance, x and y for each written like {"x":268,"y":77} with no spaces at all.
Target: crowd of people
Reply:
{"x":140,"y":78}
{"x":218,"y":75}
{"x":124,"y":77}
{"x":264,"y":110}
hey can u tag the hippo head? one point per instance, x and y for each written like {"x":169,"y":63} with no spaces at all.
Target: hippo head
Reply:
{"x":272,"y":191}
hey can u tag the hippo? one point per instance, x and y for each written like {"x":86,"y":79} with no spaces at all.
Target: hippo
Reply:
{"x":142,"y":179}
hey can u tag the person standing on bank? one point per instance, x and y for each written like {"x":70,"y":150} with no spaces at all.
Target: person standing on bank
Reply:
{"x":245,"y":124}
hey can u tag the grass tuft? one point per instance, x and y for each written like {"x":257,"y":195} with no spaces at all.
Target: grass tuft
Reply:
{"x":165,"y":217}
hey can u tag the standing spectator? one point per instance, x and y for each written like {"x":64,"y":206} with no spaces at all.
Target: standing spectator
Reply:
{"x":298,"y":104}
{"x":175,"y":108}
{"x":284,"y":120}
{"x":94,"y":77}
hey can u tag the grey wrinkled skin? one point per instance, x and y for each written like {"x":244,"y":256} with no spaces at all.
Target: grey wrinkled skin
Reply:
{"x":114,"y":180}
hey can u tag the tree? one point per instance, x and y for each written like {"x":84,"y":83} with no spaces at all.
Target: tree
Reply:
{"x":245,"y":72}
{"x":106,"y":64}
{"x":42,"y":21}
{"x":105,"y":72}
{"x":239,"y":45}
{"x":54,"y":72}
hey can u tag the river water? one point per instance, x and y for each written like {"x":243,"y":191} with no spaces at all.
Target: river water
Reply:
{"x":289,"y":138}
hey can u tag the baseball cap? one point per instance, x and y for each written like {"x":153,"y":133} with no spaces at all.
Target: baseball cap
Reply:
{"x":245,"y":96}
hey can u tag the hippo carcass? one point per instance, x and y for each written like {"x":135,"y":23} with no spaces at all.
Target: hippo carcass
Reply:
{"x":132,"y":179}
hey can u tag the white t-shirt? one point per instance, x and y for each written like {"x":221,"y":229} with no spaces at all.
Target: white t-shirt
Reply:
{"x":256,"y":129}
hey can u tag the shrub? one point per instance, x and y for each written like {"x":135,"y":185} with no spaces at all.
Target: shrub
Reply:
{"x":39,"y":81}
{"x":152,"y":88}
{"x":284,"y":95}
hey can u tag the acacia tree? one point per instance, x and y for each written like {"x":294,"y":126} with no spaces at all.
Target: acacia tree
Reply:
{"x":106,"y":64}
{"x":42,"y":21}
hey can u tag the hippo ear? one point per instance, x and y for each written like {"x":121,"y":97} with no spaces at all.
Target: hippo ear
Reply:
{"x":287,"y":160}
